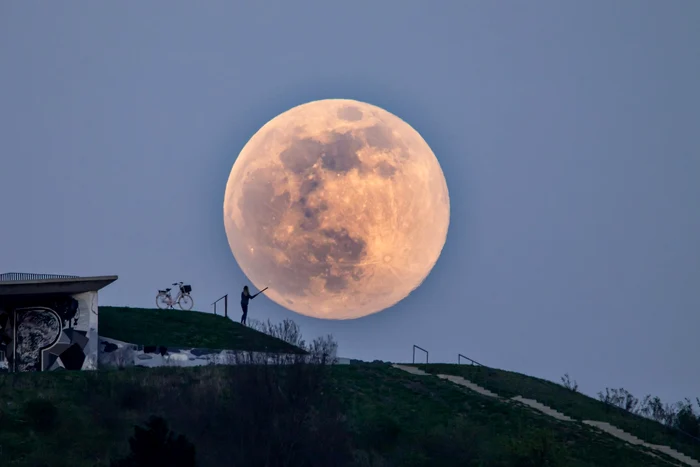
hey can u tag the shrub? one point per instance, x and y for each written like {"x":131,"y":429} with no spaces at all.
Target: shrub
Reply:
{"x":620,"y":398}
{"x":687,"y":420}
{"x":157,"y":446}
{"x":568,"y":384}
{"x":323,"y":350}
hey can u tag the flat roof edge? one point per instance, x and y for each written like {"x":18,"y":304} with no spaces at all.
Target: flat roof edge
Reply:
{"x":71,"y":280}
{"x":55,"y":286}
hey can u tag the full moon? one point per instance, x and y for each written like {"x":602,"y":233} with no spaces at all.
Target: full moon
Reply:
{"x":339,"y":207}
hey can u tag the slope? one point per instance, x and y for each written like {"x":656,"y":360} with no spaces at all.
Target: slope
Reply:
{"x":391,"y":418}
{"x":177,"y":328}
{"x":572,"y":404}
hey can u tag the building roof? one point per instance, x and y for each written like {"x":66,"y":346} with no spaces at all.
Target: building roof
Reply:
{"x":50,"y":284}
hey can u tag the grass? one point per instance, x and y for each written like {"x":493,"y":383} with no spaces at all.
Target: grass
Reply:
{"x":391,"y":418}
{"x":177,"y":328}
{"x":432,"y":412}
{"x":573,"y":404}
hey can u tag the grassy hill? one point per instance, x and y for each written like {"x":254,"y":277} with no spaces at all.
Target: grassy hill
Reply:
{"x":365,"y":414}
{"x":573,"y":404}
{"x":177,"y":328}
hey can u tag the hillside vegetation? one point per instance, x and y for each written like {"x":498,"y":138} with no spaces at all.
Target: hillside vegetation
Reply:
{"x":573,"y":404}
{"x":183,"y":329}
{"x":291,"y":415}
{"x":301,"y":413}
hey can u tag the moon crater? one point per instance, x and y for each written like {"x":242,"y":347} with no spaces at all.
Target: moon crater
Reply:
{"x":340,"y":207}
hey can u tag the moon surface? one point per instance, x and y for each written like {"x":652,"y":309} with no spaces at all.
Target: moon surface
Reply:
{"x":339,"y":207}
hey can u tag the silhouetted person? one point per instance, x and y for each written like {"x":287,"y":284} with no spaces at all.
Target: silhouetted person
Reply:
{"x":245,"y":297}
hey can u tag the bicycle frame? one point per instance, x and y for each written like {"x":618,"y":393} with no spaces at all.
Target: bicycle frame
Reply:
{"x":169,"y":299}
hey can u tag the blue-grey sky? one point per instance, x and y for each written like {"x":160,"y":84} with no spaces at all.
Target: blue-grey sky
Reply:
{"x":569,"y":134}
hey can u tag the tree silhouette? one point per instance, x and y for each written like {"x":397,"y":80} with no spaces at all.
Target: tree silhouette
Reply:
{"x":157,"y":446}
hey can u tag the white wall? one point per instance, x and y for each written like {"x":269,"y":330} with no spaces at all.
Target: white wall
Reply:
{"x":88,"y":321}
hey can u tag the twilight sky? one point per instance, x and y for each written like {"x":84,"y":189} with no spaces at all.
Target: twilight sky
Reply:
{"x":569,"y":134}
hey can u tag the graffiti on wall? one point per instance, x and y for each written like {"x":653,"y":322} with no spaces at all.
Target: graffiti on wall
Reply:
{"x":46,"y":335}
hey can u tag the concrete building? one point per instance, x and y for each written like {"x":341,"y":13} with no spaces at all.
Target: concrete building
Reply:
{"x":49,"y":322}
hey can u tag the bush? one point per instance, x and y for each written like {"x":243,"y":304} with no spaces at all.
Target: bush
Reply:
{"x":157,"y":446}
{"x":687,"y":420}
{"x":287,"y":330}
{"x":680,"y":415}
{"x":322,"y":350}
{"x":620,"y":398}
{"x":568,"y":384}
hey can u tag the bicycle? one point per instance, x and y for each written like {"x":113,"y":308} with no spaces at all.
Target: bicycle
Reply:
{"x":165,"y":300}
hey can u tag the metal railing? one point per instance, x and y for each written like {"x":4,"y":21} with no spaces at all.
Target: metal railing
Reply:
{"x":460,"y":357}
{"x":225,"y":299}
{"x":414,"y":353}
{"x":20,"y":276}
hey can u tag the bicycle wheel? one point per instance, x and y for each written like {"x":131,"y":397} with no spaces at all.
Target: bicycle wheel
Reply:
{"x":162,"y":301}
{"x":186,"y":303}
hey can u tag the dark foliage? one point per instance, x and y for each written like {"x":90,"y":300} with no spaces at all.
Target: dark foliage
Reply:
{"x":157,"y":446}
{"x":276,"y":416}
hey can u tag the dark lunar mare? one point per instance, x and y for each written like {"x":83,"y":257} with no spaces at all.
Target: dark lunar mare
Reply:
{"x":350,"y":113}
{"x":263,"y":209}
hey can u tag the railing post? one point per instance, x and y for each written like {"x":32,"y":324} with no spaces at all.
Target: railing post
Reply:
{"x":460,"y":356}
{"x":414,"y":353}
{"x":225,"y":299}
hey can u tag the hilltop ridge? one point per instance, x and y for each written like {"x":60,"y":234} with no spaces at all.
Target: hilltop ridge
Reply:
{"x":183,"y":329}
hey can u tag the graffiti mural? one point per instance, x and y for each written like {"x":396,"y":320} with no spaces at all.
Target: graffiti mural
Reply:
{"x":49,"y":334}
{"x":5,"y":339}
{"x":35,"y":331}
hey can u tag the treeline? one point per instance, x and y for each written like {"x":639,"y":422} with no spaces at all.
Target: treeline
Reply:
{"x":682,"y":416}
{"x":323,"y":348}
